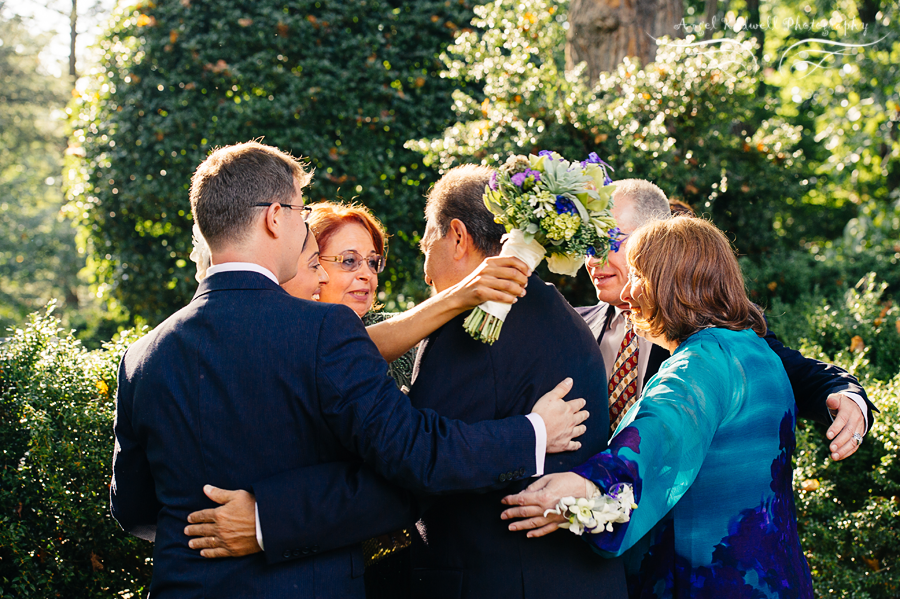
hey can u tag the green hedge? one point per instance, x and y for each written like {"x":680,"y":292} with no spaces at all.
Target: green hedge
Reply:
{"x":57,"y":538}
{"x":342,"y":82}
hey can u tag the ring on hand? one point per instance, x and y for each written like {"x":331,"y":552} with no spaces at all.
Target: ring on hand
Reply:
{"x":858,"y":438}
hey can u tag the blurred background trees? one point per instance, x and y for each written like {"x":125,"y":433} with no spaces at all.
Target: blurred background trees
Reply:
{"x":779,"y":121}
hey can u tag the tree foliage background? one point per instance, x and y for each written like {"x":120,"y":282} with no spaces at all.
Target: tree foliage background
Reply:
{"x":343,"y":83}
{"x":38,"y":260}
{"x":791,"y":146}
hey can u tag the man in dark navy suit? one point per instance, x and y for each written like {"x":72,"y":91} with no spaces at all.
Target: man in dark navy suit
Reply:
{"x":463,"y":548}
{"x":823,"y":391}
{"x":250,"y":388}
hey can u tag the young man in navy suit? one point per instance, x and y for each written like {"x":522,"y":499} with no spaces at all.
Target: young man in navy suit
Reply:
{"x":819,"y":388}
{"x":248,"y":387}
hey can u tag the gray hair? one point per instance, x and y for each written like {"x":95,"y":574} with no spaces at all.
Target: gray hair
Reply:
{"x":459,"y":195}
{"x":648,"y":202}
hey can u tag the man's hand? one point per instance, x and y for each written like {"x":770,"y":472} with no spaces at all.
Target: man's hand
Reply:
{"x":562,"y":418}
{"x":848,"y":419}
{"x":541,"y":496}
{"x":497,"y":279}
{"x":226,"y":531}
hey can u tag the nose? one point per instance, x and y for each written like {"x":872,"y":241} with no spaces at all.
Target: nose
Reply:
{"x":625,"y":296}
{"x":323,"y":275}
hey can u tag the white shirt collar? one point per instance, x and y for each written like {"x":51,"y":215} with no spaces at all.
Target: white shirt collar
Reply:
{"x":242,"y":266}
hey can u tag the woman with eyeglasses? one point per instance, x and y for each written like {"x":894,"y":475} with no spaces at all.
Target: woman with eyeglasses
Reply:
{"x":344,"y":267}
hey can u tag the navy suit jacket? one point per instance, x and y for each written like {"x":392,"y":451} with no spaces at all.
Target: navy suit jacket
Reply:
{"x":464,"y":549}
{"x":811,"y":380}
{"x":249,"y":385}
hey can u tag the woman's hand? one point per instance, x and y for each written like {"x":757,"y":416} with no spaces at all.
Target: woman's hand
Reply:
{"x":499,"y":279}
{"x":540,"y":496}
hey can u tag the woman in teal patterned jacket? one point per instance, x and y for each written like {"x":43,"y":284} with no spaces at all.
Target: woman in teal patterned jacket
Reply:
{"x":707,"y":449}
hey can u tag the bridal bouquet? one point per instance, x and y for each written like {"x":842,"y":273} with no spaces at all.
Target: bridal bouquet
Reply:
{"x":551,"y":207}
{"x":598,"y":513}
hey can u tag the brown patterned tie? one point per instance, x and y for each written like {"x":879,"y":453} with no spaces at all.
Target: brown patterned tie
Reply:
{"x":623,"y":382}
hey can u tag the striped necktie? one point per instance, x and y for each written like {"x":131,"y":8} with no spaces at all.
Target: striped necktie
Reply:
{"x":623,"y":382}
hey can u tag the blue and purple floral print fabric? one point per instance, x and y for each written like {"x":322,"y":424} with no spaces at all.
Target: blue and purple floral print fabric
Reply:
{"x":708,"y":450}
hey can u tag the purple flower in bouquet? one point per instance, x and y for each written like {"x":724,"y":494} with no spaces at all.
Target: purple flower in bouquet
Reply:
{"x":591,"y":251}
{"x":546,"y":153}
{"x":593,"y":158}
{"x":615,"y":239}
{"x":493,"y":182}
{"x":565,"y":206}
{"x":519,"y":179}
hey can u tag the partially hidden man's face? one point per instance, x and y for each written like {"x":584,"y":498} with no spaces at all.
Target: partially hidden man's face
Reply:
{"x":438,"y":252}
{"x":611,"y":278}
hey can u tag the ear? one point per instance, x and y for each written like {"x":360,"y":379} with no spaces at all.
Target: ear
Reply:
{"x":274,"y":220}
{"x":462,"y":241}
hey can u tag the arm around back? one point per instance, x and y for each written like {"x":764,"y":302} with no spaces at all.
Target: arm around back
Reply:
{"x":417,"y":449}
{"x":813,"y":381}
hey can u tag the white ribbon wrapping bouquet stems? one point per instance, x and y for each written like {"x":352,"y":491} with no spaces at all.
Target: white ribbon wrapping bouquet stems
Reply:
{"x":486,"y":320}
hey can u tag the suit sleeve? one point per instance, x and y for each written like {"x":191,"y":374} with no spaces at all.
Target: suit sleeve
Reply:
{"x":363,"y":504}
{"x":132,"y":492}
{"x":418,"y":450}
{"x":813,"y":381}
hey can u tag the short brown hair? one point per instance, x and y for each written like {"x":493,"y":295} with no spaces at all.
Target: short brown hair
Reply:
{"x":328,"y":217}
{"x":679,"y":208}
{"x":459,"y":194}
{"x":227,"y":186}
{"x":691,"y":278}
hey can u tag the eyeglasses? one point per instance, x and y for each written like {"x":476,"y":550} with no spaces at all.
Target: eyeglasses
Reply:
{"x":351,"y":261}
{"x":305,"y":210}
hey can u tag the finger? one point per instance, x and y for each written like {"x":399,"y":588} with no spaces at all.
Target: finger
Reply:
{"x":208,"y":515}
{"x":205,"y":543}
{"x":201,"y":530}
{"x":840,"y":422}
{"x":218,"y":495}
{"x":845,"y":451}
{"x":579,"y":430}
{"x":582,"y":416}
{"x":854,"y":423}
{"x":563,"y":388}
{"x":529,"y":524}
{"x":217,"y":552}
{"x":574,"y":405}
{"x":833,"y":402}
{"x":544,"y":530}
{"x":523,"y":498}
{"x":510,"y":262}
{"x":573,"y":446}
{"x":525,"y":511}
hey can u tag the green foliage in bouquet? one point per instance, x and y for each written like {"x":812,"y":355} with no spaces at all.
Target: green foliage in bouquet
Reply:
{"x":57,"y":538}
{"x":343,"y":83}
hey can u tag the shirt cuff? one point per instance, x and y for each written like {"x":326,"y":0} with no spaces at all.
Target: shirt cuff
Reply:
{"x":258,"y":528}
{"x":540,"y":442}
{"x":862,"y":406}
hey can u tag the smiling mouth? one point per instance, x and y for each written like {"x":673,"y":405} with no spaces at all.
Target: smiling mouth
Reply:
{"x":360,"y":295}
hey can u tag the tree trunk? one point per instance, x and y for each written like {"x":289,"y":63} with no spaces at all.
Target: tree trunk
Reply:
{"x":73,"y":35}
{"x":603,"y":32}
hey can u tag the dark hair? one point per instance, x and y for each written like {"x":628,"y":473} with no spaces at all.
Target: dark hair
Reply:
{"x":227,"y":186}
{"x":679,"y":208}
{"x":459,"y":194}
{"x":327,"y":218}
{"x":691,"y":280}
